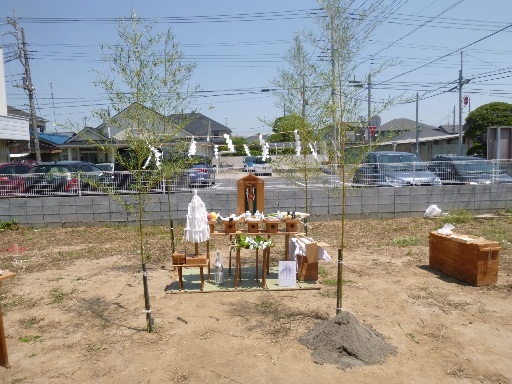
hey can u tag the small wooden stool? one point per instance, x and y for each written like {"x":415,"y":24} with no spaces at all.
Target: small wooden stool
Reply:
{"x":191,"y":261}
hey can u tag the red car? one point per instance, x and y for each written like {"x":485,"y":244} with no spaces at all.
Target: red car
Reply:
{"x":11,"y":177}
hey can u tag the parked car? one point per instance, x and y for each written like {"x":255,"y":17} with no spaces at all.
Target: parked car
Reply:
{"x":68,"y":177}
{"x":116,"y":176}
{"x":10,"y":177}
{"x":453,"y":169}
{"x":393,"y":169}
{"x":191,"y":171}
{"x":257,"y":165}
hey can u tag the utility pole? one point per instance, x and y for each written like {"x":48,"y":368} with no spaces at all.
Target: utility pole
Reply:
{"x":27,"y":85}
{"x":462,"y":81}
{"x":359,"y":84}
{"x":369,"y":106}
{"x":453,"y":126}
{"x":333,"y":95}
{"x":417,"y":127}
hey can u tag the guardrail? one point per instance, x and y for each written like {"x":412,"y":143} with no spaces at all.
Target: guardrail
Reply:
{"x":225,"y":178}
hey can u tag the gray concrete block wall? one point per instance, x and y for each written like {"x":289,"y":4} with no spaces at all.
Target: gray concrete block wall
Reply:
{"x":359,"y":203}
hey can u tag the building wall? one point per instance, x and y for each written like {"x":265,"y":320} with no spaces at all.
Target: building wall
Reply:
{"x":361,"y":203}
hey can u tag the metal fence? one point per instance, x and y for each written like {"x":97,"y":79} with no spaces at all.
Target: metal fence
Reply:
{"x":225,"y":178}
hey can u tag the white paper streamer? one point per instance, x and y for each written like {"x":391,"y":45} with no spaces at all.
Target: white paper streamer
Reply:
{"x":265,"y":152}
{"x":192,"y":149}
{"x":156,"y":154}
{"x":313,"y":152}
{"x":229,"y":142}
{"x":297,"y":143}
{"x":216,"y":151}
{"x":246,"y":148}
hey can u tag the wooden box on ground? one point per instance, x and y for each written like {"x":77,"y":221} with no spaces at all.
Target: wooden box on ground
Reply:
{"x":473,"y":260}
{"x":308,"y":263}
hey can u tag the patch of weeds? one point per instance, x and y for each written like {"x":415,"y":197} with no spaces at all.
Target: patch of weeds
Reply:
{"x":29,"y":322}
{"x":179,"y":376}
{"x":57,"y":295}
{"x":329,"y":293}
{"x":410,"y":335}
{"x":483,"y":310}
{"x":11,"y":225}
{"x":30,"y":338}
{"x":80,"y":278}
{"x":58,"y":278}
{"x":456,"y":370}
{"x":20,"y":380}
{"x":331,"y":282}
{"x":19,"y":302}
{"x":460,"y":216}
{"x":322,"y":272}
{"x":407,"y":241}
{"x":32,"y":355}
{"x":94,"y":348}
{"x":266,"y":305}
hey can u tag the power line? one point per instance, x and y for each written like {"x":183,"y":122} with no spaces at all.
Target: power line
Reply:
{"x":451,"y":53}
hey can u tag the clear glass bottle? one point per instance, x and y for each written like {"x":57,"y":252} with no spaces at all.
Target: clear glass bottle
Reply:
{"x":219,"y":270}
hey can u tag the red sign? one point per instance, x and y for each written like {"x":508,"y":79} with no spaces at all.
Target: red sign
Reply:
{"x":372,"y":129}
{"x":466,"y":100}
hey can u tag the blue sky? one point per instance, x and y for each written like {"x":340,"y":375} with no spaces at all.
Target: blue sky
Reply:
{"x":238,"y":52}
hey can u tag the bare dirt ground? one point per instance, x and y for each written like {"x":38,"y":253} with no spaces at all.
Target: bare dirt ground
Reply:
{"x":74,"y":313}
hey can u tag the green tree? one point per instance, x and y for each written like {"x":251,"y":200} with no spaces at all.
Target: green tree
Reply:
{"x":478,"y":120}
{"x":283,"y":128}
{"x":147,"y":80}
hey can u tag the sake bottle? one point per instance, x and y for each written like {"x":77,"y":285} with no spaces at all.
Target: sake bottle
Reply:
{"x":219,"y":270}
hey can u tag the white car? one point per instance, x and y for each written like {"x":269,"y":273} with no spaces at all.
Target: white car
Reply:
{"x":262,"y":167}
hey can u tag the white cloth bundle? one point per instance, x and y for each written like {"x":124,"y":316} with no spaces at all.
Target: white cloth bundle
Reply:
{"x":197,"y":229}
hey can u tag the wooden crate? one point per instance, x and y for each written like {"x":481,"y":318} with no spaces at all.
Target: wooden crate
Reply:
{"x":308,"y":263}
{"x":471,"y":259}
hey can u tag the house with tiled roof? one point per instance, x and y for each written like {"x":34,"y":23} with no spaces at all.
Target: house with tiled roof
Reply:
{"x":402,"y":135}
{"x":87,"y":144}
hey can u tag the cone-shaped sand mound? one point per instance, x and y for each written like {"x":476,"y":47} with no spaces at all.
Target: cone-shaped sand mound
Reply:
{"x":342,"y":340}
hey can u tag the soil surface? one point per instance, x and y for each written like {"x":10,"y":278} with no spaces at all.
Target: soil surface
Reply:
{"x":75,"y":312}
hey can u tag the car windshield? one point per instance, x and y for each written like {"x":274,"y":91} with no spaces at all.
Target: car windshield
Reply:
{"x":402,"y":162}
{"x":259,"y":160}
{"x":473,"y":166}
{"x":250,"y":160}
{"x":49,"y":169}
{"x":106,"y":166}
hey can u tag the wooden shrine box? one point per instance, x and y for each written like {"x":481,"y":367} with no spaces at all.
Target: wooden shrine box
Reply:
{"x":178,"y":258}
{"x":230,"y":226}
{"x":471,"y":259}
{"x":308,"y":263}
{"x":253,"y":226}
{"x":271,"y":226}
{"x":292,"y":225}
{"x":211,"y":223}
{"x":250,"y":194}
